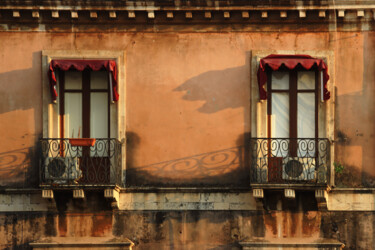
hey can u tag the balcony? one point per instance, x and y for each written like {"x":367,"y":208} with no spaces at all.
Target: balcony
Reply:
{"x":290,"y":162}
{"x":64,"y":165}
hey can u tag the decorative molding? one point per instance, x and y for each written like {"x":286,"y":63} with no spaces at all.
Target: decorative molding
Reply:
{"x":151,"y":14}
{"x":16,"y":14}
{"x":82,"y":242}
{"x":78,"y":194}
{"x":341,"y":13}
{"x":35,"y":14}
{"x":140,"y":7}
{"x":245,"y":14}
{"x":131,"y":14}
{"x":283,"y":14}
{"x":209,"y":12}
{"x":113,"y":195}
{"x":112,"y":14}
{"x":258,"y":193}
{"x":287,"y":243}
{"x":170,"y":15}
{"x":289,"y":193}
{"x":321,"y":196}
{"x":93,"y":14}
{"x":47,"y":193}
{"x":336,"y":200}
{"x":55,"y":14}
{"x":74,"y":14}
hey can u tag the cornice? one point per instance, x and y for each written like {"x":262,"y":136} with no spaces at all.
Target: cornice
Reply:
{"x":154,"y":7}
{"x":303,"y":14}
{"x":182,"y":3}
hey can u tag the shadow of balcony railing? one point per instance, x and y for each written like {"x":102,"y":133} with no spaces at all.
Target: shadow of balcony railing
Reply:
{"x":225,"y":167}
{"x":290,"y":161}
{"x":63,"y":164}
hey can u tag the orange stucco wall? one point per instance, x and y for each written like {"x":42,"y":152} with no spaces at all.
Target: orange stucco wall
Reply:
{"x":188,"y":96}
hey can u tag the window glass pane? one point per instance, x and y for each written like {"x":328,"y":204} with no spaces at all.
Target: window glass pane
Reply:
{"x":73,"y":115}
{"x":306,"y":115}
{"x":99,"y":115}
{"x":280,"y":115}
{"x":306,"y":80}
{"x":73,"y":80}
{"x":99,"y":122}
{"x":280,"y":123}
{"x":99,"y":79}
{"x":306,"y":124}
{"x":280,"y":80}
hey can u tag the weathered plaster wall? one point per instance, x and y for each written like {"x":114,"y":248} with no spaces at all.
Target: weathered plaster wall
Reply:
{"x":355,"y":121}
{"x":187,"y":98}
{"x":188,"y":220}
{"x":337,"y":200}
{"x":189,"y":229}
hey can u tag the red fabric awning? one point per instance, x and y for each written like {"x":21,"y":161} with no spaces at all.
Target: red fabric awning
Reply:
{"x":290,"y":61}
{"x":80,"y":65}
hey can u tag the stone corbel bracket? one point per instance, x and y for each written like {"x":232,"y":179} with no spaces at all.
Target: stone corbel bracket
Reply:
{"x":321,"y":196}
{"x":48,"y":194}
{"x":113,"y":195}
{"x":258,"y":194}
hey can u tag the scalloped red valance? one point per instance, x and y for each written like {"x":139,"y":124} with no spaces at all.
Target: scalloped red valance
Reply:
{"x":80,"y":65}
{"x":290,"y":61}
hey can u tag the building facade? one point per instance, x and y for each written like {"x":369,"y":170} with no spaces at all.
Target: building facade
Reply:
{"x":187,"y":124}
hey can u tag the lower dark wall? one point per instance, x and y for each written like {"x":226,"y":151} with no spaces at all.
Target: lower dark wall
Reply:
{"x":355,"y":229}
{"x":189,"y":229}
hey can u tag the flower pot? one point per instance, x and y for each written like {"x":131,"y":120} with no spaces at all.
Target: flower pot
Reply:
{"x":85,"y":142}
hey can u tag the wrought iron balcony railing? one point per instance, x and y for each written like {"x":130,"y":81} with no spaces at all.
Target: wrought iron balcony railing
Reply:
{"x":290,"y":161}
{"x":63,"y":164}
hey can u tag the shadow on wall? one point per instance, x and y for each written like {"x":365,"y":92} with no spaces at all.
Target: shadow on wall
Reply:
{"x":229,"y":167}
{"x":355,"y":145}
{"x":220,"y":90}
{"x":356,"y":134}
{"x":19,"y":150}
{"x":15,"y":167}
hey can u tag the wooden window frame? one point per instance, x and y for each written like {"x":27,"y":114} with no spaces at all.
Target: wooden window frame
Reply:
{"x":86,"y":102}
{"x":293,"y":103}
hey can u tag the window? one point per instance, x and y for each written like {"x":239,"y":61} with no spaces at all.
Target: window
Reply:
{"x":84,"y":104}
{"x":292,"y":106}
{"x":85,"y":87}
{"x":292,"y":94}
{"x":81,"y":100}
{"x":291,"y":119}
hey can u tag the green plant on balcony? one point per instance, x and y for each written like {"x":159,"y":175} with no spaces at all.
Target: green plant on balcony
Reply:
{"x":339,"y":168}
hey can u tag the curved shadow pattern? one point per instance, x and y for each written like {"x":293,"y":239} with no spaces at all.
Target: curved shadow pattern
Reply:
{"x":222,"y":167}
{"x":14,"y":166}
